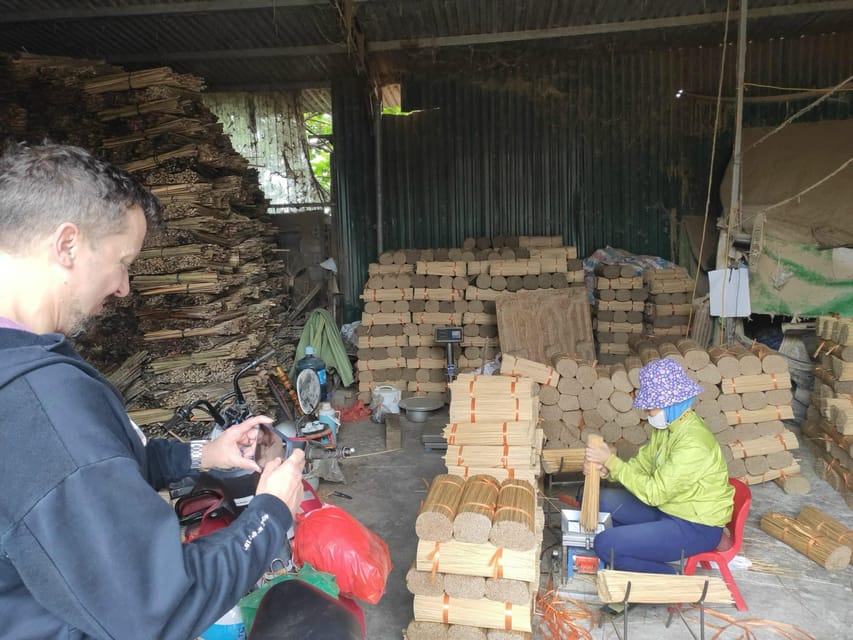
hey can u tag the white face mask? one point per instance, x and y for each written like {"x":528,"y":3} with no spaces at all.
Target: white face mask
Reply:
{"x":658,"y":421}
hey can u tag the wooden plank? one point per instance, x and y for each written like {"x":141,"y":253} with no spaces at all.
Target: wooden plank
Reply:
{"x":533,"y":324}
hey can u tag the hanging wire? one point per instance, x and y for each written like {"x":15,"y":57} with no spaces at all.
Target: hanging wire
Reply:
{"x":711,"y":167}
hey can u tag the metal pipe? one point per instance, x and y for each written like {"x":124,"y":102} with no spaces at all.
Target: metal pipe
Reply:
{"x":377,"y":137}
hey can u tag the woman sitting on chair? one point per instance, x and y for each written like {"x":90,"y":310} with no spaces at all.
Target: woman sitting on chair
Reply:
{"x":676,"y":497}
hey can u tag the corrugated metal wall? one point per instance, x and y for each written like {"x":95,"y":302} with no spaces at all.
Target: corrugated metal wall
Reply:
{"x":595,"y":148}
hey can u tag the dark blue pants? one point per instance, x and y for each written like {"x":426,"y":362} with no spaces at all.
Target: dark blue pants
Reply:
{"x":643,"y":538}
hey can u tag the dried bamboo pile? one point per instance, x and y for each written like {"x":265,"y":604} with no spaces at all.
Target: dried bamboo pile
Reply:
{"x":490,"y":563}
{"x":620,"y":296}
{"x":667,"y":310}
{"x":829,"y":418}
{"x":208,"y":283}
{"x":409,"y":293}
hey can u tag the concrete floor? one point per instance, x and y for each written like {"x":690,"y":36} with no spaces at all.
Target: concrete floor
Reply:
{"x":784,"y":586}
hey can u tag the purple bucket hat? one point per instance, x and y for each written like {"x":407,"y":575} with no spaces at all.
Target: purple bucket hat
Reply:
{"x":664,"y":383}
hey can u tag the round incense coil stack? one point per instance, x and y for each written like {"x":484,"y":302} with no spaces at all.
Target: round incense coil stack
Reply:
{"x":435,"y":520}
{"x":514,"y":524}
{"x":424,"y":583}
{"x":461,"y":586}
{"x":473,"y":521}
{"x":418,"y":630}
{"x":506,"y":590}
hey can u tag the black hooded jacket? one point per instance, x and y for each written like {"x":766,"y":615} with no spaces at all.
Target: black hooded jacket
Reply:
{"x":87,"y":547}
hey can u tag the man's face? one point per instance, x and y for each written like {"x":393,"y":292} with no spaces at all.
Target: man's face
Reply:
{"x":100,"y":271}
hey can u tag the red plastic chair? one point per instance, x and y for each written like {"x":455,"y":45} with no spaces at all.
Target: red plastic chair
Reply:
{"x":729,"y":544}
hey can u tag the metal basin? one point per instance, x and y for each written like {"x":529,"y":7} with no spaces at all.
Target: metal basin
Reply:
{"x":419,"y":408}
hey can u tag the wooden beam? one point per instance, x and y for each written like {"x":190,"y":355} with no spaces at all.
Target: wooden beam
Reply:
{"x":691,"y":20}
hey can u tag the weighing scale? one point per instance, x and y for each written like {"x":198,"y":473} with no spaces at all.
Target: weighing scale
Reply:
{"x":449,"y":336}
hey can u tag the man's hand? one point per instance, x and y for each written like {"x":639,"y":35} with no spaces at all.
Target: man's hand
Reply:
{"x":283,"y":479}
{"x":235,"y":447}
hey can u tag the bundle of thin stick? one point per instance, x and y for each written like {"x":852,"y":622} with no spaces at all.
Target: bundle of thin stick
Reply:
{"x":142,"y":79}
{"x":826,"y":525}
{"x":591,"y":485}
{"x":658,"y":588}
{"x":821,"y":548}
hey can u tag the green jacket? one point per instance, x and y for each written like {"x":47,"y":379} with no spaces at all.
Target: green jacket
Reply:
{"x":681,"y":471}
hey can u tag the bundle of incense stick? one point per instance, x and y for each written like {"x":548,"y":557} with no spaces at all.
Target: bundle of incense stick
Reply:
{"x":591,"y":485}
{"x":435,"y":521}
{"x":659,"y":588}
{"x":820,"y":548}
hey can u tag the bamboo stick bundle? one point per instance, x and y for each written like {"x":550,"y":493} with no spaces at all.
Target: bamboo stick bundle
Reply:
{"x":437,"y":318}
{"x":514,"y":267}
{"x":381,"y":365}
{"x":695,"y":356}
{"x":522,"y":367}
{"x":513,"y":526}
{"x":669,"y":350}
{"x":188,"y":288}
{"x":426,"y":363}
{"x":368,"y":319}
{"x":618,"y":327}
{"x":187,"y":151}
{"x":562,"y":460}
{"x":500,"y":474}
{"x":227,"y":328}
{"x":447,"y":268}
{"x":487,"y":456}
{"x":726,"y":362}
{"x":175,"y":105}
{"x":566,"y":253}
{"x":148,"y":416}
{"x":618,"y":283}
{"x":474,"y":613}
{"x":541,"y":242}
{"x":459,"y":586}
{"x":757,"y":382}
{"x":842,"y":416}
{"x":767,"y":476}
{"x":771,"y":412}
{"x":784,"y":441}
{"x":480,"y":318}
{"x":514,"y":591}
{"x":435,"y":519}
{"x":477,"y":560}
{"x":653,"y":309}
{"x":424,"y":582}
{"x":803,"y":538}
{"x":372,"y":342}
{"x":748,"y":362}
{"x":771,"y":361}
{"x":478,"y":293}
{"x":374,"y":269}
{"x":182,"y":361}
{"x":134,"y":80}
{"x":675,"y":273}
{"x":591,"y":484}
{"x":184,"y":126}
{"x":492,"y":399}
{"x":419,"y":630}
{"x":382,"y":295}
{"x":477,"y":504}
{"x":826,"y":525}
{"x":657,"y":588}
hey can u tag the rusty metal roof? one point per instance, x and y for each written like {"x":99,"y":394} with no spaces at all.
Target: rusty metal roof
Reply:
{"x":280,"y":44}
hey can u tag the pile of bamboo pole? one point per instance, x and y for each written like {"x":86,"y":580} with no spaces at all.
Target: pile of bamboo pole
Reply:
{"x":829,"y":418}
{"x":208,"y":282}
{"x":476,"y":569}
{"x":667,"y":310}
{"x":620,"y":296}
{"x":410,"y":293}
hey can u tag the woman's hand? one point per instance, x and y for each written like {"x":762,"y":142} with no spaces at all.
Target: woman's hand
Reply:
{"x":235,"y":447}
{"x":598,"y":453}
{"x":602,"y":470}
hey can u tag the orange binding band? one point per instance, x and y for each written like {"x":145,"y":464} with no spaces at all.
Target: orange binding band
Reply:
{"x":434,"y":556}
{"x":775,"y":381}
{"x":497,"y":562}
{"x":507,"y":507}
{"x":473,"y":405}
{"x":508,"y":616}
{"x":781,"y":440}
{"x":445,"y":608}
{"x":550,"y":376}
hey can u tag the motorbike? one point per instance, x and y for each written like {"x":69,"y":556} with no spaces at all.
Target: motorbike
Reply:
{"x":292,"y":608}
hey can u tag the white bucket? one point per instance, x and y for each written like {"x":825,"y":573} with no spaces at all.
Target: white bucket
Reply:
{"x":389,"y":397}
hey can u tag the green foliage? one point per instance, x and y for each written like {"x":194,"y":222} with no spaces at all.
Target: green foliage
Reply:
{"x":318,"y":129}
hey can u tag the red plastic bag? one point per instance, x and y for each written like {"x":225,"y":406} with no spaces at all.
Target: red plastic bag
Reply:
{"x":332,"y":540}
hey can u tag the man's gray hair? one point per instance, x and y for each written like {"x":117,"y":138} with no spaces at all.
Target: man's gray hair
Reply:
{"x":43,"y":186}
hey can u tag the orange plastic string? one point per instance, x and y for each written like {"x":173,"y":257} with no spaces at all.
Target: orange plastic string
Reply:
{"x":445,"y":608}
{"x":508,"y":616}
{"x":497,"y":562}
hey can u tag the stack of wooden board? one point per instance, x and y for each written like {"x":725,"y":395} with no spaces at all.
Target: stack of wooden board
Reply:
{"x":667,"y":311}
{"x":619,"y":300}
{"x":493,"y":427}
{"x":829,"y":420}
{"x":476,"y":570}
{"x":410,"y":293}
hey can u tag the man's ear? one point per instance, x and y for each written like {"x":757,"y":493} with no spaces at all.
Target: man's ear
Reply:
{"x":64,"y":243}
